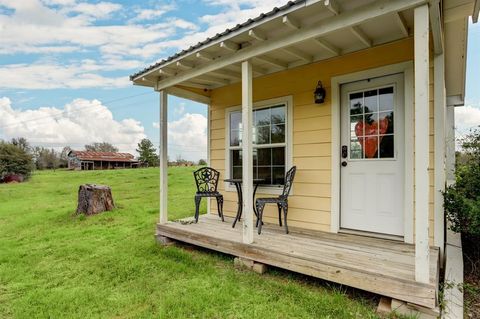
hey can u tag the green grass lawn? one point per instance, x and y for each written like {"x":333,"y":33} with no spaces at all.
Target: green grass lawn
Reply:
{"x":57,"y":265}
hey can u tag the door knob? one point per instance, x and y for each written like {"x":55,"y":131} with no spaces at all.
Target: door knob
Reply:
{"x":344,"y":163}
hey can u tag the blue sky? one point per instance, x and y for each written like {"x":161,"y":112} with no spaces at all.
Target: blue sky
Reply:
{"x":64,"y":67}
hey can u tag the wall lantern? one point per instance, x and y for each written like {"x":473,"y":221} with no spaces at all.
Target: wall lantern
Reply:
{"x":319,"y":93}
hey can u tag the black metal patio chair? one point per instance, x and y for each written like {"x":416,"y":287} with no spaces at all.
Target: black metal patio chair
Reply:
{"x":206,"y":179}
{"x":281,"y":201}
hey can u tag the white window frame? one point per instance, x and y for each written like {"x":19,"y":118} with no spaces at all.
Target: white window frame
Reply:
{"x":288,"y":102}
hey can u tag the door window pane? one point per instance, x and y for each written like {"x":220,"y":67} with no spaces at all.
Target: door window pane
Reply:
{"x":372,"y":124}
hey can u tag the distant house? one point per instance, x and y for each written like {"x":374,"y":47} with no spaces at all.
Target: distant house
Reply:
{"x":87,"y":160}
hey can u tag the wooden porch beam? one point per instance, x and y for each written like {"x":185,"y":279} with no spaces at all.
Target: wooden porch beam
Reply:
{"x":185,"y":65}
{"x":402,"y":24}
{"x":247,"y":157}
{"x":212,"y":80}
{"x":227,"y":74}
{"x":361,"y":36}
{"x":291,"y":22}
{"x":274,"y":62}
{"x":230,"y":46}
{"x":204,"y":56}
{"x":332,"y":6}
{"x":163,"y":158}
{"x":299,"y":54}
{"x":328,"y":47}
{"x":257,"y":35}
{"x":437,"y":29}
{"x":163,"y":72}
{"x":317,"y":30}
{"x":476,"y":10}
{"x":186,"y":94}
{"x":422,"y":147}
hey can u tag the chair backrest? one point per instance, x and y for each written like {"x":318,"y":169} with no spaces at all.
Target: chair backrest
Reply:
{"x":206,"y":179}
{"x":289,"y":176}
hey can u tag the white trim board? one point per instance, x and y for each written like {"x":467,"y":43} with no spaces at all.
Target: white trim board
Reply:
{"x":288,"y":100}
{"x":336,"y":82}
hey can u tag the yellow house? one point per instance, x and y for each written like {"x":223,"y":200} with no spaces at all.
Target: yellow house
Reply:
{"x":372,"y":157}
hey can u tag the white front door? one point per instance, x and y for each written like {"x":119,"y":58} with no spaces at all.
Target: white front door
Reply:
{"x":372,"y":155}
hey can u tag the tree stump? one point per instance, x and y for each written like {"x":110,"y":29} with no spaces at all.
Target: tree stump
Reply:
{"x":94,"y":199}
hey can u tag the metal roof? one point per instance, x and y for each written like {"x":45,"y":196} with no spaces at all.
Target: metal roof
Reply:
{"x":103,"y":156}
{"x":249,"y":22}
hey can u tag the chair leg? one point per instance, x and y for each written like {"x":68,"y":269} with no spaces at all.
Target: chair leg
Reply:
{"x":220,"y":207}
{"x":279,"y":214}
{"x":257,"y":205}
{"x":285,"y":212}
{"x":260,"y":217}
{"x":197,"y":207}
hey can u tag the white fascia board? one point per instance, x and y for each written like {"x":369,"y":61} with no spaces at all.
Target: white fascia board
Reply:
{"x":344,"y":20}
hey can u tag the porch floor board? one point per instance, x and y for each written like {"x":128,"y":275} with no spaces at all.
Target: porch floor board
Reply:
{"x":381,"y":266}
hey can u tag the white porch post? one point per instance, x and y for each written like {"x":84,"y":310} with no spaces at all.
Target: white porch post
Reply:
{"x":450,"y":144}
{"x":439,"y":141}
{"x":421,"y":42}
{"x":163,"y":158}
{"x":247,"y":156}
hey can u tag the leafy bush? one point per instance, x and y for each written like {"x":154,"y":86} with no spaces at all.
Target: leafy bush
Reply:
{"x":462,"y":200}
{"x":14,"y":160}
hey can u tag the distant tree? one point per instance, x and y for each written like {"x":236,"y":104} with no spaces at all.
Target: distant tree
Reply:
{"x":147,"y":152}
{"x":180,"y":160}
{"x":202,"y":162}
{"x":14,"y":160}
{"x":63,"y":160}
{"x":21,"y":143}
{"x":46,"y":158}
{"x":101,"y":147}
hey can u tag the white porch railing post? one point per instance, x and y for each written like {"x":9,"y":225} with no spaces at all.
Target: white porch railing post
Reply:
{"x":421,"y":51}
{"x":247,"y":156}
{"x":163,"y":158}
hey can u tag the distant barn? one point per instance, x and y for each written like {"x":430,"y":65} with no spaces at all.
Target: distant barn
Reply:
{"x":88,"y":160}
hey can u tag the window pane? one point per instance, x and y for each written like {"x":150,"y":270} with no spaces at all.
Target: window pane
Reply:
{"x":371,"y":124}
{"x":278,"y":115}
{"x":278,"y":133}
{"x":234,"y":138}
{"x":386,"y":146}
{"x":235,"y":120}
{"x":371,"y":101}
{"x":386,"y":122}
{"x":237,"y":172}
{"x":385,"y":99}
{"x":356,"y":151}
{"x":262,"y":135}
{"x":278,"y":156}
{"x":264,"y":172}
{"x":264,"y":156}
{"x":262,"y":117}
{"x":236,"y":156}
{"x":278,"y":175}
{"x":356,"y":103}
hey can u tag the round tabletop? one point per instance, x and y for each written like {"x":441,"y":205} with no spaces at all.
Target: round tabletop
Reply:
{"x":239,"y":180}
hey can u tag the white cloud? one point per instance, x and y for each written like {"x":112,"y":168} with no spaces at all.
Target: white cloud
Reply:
{"x":467,"y":117}
{"x":53,"y":76}
{"x":187,"y":137}
{"x":150,"y":14}
{"x":80,"y":122}
{"x":101,"y":10}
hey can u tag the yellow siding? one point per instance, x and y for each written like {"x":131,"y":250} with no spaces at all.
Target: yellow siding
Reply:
{"x":310,"y":204}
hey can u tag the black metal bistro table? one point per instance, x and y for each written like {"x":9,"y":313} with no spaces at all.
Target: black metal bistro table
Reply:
{"x":238,"y":185}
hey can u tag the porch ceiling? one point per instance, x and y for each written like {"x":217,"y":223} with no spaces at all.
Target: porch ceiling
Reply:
{"x":315,"y":31}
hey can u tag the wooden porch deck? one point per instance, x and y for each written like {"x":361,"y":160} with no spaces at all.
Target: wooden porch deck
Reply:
{"x":381,"y":266}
